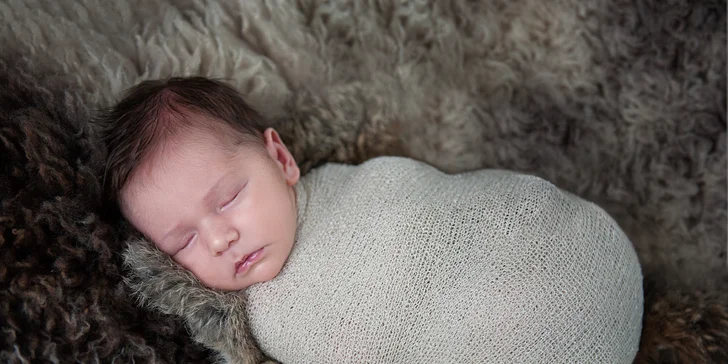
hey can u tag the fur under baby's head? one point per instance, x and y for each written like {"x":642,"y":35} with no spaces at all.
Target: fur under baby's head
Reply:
{"x":153,"y":111}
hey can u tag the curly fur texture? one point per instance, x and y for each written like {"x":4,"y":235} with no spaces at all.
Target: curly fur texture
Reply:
{"x":61,"y":294}
{"x":621,"y":102}
{"x":684,"y":327}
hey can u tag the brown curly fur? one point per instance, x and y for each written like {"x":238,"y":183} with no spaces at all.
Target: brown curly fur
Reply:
{"x":684,"y":327}
{"x":61,"y":297}
{"x":61,"y":292}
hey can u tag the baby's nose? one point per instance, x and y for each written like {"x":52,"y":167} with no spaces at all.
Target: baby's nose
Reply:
{"x":220,"y":235}
{"x":222,"y":240}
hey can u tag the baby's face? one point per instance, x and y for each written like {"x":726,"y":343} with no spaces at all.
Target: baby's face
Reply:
{"x":228,"y":217}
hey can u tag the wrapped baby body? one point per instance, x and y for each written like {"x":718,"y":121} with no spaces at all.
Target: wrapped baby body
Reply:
{"x":397,"y":262}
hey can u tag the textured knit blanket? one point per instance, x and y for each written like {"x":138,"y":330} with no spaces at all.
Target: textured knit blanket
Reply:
{"x":397,"y":262}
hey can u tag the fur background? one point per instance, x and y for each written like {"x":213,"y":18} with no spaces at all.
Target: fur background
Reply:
{"x":621,"y":102}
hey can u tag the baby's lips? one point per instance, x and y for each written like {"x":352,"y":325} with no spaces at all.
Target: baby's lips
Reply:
{"x":248,"y":260}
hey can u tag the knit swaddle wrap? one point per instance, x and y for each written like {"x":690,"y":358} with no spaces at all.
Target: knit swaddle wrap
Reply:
{"x":397,"y":262}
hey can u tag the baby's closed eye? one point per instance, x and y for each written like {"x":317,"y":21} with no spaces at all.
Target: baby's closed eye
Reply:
{"x":232,"y":198}
{"x":187,"y":241}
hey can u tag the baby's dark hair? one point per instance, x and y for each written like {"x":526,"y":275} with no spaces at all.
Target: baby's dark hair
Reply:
{"x":156,"y":109}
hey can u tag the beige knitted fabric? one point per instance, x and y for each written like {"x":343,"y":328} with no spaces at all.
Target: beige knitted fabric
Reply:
{"x":396,"y":262}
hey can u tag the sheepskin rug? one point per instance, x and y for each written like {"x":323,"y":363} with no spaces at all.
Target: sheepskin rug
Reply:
{"x":621,"y":102}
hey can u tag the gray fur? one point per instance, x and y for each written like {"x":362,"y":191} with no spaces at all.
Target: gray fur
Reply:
{"x":620,"y":102}
{"x":214,"y":319}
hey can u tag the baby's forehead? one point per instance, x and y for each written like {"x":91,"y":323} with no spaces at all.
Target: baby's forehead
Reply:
{"x":195,"y":148}
{"x":201,"y":134}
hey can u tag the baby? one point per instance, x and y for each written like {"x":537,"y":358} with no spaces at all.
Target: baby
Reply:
{"x":388,"y":261}
{"x":196,"y":174}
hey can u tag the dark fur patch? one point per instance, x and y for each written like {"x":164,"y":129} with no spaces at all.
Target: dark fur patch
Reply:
{"x":61,"y":292}
{"x":684,"y":327}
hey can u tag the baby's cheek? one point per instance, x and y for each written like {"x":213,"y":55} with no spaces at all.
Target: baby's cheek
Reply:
{"x":267,"y":271}
{"x":195,"y":267}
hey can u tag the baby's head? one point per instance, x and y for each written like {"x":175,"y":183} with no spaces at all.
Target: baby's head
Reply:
{"x":192,"y":167}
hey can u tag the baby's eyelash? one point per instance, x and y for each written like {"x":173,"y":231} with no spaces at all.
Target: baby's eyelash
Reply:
{"x":187,"y":241}
{"x":231,"y":199}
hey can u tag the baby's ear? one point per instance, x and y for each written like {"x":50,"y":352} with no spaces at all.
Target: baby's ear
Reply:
{"x":215,"y":319}
{"x":282,"y":156}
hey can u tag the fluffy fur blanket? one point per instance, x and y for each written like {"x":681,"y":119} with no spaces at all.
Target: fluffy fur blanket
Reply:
{"x":620,"y":102}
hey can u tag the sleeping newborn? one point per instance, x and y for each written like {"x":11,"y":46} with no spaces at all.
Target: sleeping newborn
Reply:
{"x":388,"y":261}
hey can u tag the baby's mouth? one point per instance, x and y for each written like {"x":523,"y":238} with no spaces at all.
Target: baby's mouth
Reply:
{"x":244,"y":264}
